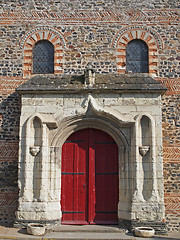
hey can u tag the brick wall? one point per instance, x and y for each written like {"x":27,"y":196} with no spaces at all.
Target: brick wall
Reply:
{"x":9,"y":145}
{"x":88,"y":32}
{"x":171,"y":156}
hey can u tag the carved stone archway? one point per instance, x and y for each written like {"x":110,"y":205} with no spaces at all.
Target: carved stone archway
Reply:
{"x":63,"y":108}
{"x":101,"y":122}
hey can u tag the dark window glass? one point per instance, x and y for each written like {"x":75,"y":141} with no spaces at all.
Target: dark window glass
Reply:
{"x":137,"y":57}
{"x":43,"y":57}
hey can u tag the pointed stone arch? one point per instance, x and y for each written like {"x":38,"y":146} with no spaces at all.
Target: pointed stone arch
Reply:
{"x":99,"y":121}
{"x":95,"y":115}
{"x":42,"y":33}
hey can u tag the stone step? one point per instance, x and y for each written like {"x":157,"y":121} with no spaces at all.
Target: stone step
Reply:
{"x":88,"y":236}
{"x":88,"y":228}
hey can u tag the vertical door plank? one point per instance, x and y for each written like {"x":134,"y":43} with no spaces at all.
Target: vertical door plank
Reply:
{"x":74,"y":191}
{"x":91,"y":193}
{"x":106,"y":180}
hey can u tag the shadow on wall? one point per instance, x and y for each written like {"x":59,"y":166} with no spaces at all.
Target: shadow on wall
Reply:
{"x":9,"y":146}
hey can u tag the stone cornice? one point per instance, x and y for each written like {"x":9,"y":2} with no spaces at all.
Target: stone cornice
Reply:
{"x":103,"y":83}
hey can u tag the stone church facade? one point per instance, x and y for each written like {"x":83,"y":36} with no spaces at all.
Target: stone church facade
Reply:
{"x":89,"y":113}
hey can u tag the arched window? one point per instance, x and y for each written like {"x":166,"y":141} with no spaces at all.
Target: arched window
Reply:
{"x":43,"y":57}
{"x":137,"y":57}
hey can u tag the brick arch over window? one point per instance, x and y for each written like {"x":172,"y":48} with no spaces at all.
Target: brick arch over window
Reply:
{"x":31,"y":38}
{"x":132,"y":34}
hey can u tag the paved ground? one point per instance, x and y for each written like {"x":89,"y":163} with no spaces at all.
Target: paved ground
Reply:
{"x":81,"y":232}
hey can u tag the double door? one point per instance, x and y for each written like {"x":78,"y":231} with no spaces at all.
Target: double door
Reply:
{"x":89,"y":178}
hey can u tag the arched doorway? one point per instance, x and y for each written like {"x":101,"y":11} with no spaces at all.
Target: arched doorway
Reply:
{"x":89,"y":178}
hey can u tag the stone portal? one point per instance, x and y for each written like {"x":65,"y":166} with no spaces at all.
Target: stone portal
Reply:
{"x":126,"y":107}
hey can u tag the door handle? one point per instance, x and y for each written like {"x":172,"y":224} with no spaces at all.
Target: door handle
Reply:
{"x":84,"y":186}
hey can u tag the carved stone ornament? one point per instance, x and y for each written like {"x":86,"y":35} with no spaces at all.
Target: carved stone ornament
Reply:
{"x":34,"y":150}
{"x":143,"y":150}
{"x":89,"y":75}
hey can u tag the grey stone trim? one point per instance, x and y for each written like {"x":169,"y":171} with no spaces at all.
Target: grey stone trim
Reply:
{"x":103,"y":83}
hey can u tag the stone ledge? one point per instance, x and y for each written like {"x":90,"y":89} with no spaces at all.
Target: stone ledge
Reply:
{"x":103,"y":83}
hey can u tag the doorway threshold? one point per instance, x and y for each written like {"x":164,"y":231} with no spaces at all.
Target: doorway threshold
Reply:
{"x":87,"y":228}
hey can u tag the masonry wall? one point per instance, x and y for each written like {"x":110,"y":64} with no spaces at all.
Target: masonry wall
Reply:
{"x":171,"y":143}
{"x":89,"y":32}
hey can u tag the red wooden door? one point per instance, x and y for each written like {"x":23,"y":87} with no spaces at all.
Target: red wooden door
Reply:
{"x":74,"y":176}
{"x":89,"y":192}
